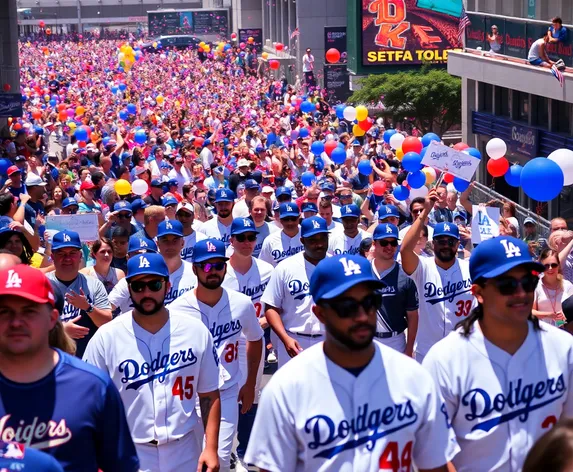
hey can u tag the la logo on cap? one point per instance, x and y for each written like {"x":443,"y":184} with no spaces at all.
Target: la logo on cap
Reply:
{"x":223,"y":193}
{"x":350,"y":267}
{"x":247,"y":222}
{"x":142,"y":243}
{"x":211,"y":247}
{"x":289,"y":208}
{"x":511,"y":250}
{"x":316,"y":224}
{"x":388,"y":229}
{"x":143,"y":262}
{"x":67,"y":238}
{"x":168,"y":225}
{"x":446,"y":227}
{"x":14,"y":280}
{"x":348,"y":210}
{"x":388,"y":210}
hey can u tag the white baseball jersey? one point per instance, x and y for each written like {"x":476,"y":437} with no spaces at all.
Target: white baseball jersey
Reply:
{"x":335,"y":226}
{"x":213,"y":228}
{"x":445,"y":299}
{"x":182,"y":280}
{"x":226,"y":325}
{"x":278,"y":246}
{"x":500,"y":404}
{"x":158,"y":375}
{"x":317,"y":416}
{"x":189,"y":244}
{"x":340,"y":243}
{"x":288,"y":290}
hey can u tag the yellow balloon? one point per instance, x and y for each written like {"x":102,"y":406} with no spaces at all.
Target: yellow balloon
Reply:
{"x":160,"y":99}
{"x":430,"y":176}
{"x":154,"y":45}
{"x":399,"y":154}
{"x":358,"y":131}
{"x":265,"y":55}
{"x":361,"y":113}
{"x":122,"y":187}
{"x":72,"y":124}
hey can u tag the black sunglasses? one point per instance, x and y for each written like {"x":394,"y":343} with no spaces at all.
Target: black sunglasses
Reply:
{"x":153,"y":285}
{"x":348,"y":307}
{"x":553,"y":265}
{"x":446,"y":242}
{"x":385,"y":243}
{"x":509,"y":285}
{"x":124,"y":216}
{"x":290,"y":219}
{"x":209,"y":266}
{"x":246,"y":237}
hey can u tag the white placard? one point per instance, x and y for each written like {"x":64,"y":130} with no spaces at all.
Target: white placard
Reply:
{"x":485,"y":223}
{"x":447,"y":159}
{"x":85,"y":224}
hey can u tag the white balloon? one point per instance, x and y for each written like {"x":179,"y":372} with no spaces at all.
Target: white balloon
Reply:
{"x":139,"y":187}
{"x":564,"y":159}
{"x":450,"y":188}
{"x":430,"y":171}
{"x":496,"y":148}
{"x":396,"y":140}
{"x":349,"y":113}
{"x":418,"y":192}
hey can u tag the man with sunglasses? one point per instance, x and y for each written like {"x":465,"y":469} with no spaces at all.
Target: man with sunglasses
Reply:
{"x":288,"y":306}
{"x":348,"y":240}
{"x":417,"y":206}
{"x":506,"y":378}
{"x":185,"y":214}
{"x":399,"y":309}
{"x":220,"y":227}
{"x":443,"y":282}
{"x":227,"y":314}
{"x":69,"y":206}
{"x":285,"y":243}
{"x":250,"y":276}
{"x":161,"y":361}
{"x":350,"y":403}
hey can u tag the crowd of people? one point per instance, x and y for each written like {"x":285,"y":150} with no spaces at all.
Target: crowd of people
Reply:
{"x":229,"y":241}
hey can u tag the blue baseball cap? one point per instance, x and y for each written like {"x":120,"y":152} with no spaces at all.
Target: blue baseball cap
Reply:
{"x":499,"y":255}
{"x":251,"y":183}
{"x":309,"y":206}
{"x":206,"y":142}
{"x":169,"y":200}
{"x":334,"y":275}
{"x":139,"y":243}
{"x":150,"y":263}
{"x":243,"y":225}
{"x":350,"y":211}
{"x":313,"y":225}
{"x":385,"y":231}
{"x":283,"y":191}
{"x":168,"y":227}
{"x":68,"y":202}
{"x":356,"y":143}
{"x":65,"y":239}
{"x":172,"y":183}
{"x":288,"y":209}
{"x":207,"y":249}
{"x":458,"y":214}
{"x":446,"y":229}
{"x":138,"y":204}
{"x":387,"y":211}
{"x":156,"y":183}
{"x":224,"y":195}
{"x":123,"y":206}
{"x":327,"y":186}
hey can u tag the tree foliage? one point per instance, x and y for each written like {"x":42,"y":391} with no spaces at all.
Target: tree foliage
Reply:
{"x":431,"y":96}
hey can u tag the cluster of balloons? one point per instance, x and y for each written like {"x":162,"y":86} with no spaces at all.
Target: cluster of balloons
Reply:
{"x":357,"y":115}
{"x":127,"y":56}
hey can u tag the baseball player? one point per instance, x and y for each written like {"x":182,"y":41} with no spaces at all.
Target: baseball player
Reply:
{"x":259,"y":213}
{"x":282,"y":244}
{"x":52,"y":401}
{"x":385,"y":214}
{"x":250,"y":276}
{"x":443,"y":282}
{"x":350,"y":403}
{"x":227,"y":314}
{"x":348,"y":241}
{"x":185,"y":215}
{"x":161,"y":361}
{"x":220,"y":227}
{"x":288,"y":305}
{"x":399,"y":308}
{"x":505,"y":378}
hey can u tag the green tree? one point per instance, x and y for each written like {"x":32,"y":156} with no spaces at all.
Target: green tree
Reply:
{"x":431,"y":96}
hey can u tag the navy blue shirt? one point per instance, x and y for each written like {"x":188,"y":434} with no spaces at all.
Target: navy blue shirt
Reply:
{"x":398,"y":296}
{"x":75,"y":414}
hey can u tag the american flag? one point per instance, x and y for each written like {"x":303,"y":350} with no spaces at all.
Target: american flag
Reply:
{"x":295,"y":33}
{"x":558,"y":74}
{"x":464,"y":23}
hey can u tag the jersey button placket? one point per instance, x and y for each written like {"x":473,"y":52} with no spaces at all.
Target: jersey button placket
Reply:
{"x":516,"y":429}
{"x":159,"y":394}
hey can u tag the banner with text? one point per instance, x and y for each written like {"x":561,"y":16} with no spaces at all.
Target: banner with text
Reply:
{"x":335,"y":37}
{"x":485,"y":223}
{"x":85,"y":224}
{"x":336,"y":83}
{"x":447,"y":159}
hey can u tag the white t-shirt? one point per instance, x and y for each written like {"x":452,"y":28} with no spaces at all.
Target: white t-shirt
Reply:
{"x":278,"y":246}
{"x":158,"y":375}
{"x":550,"y":300}
{"x":182,"y":177}
{"x":213,"y":228}
{"x":189,"y":245}
{"x":315,"y":416}
{"x":340,"y":243}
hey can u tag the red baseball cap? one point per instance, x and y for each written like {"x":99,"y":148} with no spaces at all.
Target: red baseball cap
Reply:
{"x":87,"y":185}
{"x":26,"y":282}
{"x":13,"y":169}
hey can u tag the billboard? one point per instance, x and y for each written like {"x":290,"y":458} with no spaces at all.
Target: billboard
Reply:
{"x":409,"y":32}
{"x":336,"y":83}
{"x":335,"y":37}
{"x":193,"y":22}
{"x":256,"y":34}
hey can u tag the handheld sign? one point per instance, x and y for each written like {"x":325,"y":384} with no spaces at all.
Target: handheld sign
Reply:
{"x":447,"y":159}
{"x":485,"y":223}
{"x":85,"y":224}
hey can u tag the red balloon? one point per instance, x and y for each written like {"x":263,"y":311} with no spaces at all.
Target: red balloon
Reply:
{"x":448,"y":178}
{"x":36,"y":114}
{"x":333,"y":55}
{"x":274,"y":65}
{"x":379,"y":188}
{"x":412,"y":144}
{"x":330,"y":146}
{"x":233,"y":35}
{"x":6,"y":87}
{"x":62,"y":107}
{"x":81,"y":144}
{"x":497,"y":167}
{"x":199,"y":142}
{"x":365,"y":124}
{"x":460,"y":146}
{"x":279,"y":46}
{"x":41,"y":24}
{"x":17,"y":126}
{"x":48,"y":31}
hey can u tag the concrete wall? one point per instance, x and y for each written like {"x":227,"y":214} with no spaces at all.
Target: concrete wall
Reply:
{"x":246,"y":14}
{"x":544,"y":9}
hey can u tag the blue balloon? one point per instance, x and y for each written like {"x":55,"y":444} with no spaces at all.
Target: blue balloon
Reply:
{"x":388,"y":134}
{"x":460,"y":184}
{"x":4,"y":164}
{"x":293,"y":135}
{"x":513,"y":175}
{"x":122,"y":86}
{"x":105,"y":140}
{"x":340,"y":111}
{"x":401,"y":193}
{"x":412,"y":162}
{"x":542,"y":179}
{"x":50,"y":64}
{"x":319,"y":164}
{"x":307,"y":107}
{"x":53,"y":102}
{"x":39,"y":130}
{"x":123,"y":115}
{"x":271,"y":138}
{"x":473,"y":152}
{"x":317,"y":148}
{"x":428,"y":138}
{"x":423,"y":152}
{"x":303,"y":133}
{"x":416,"y":179}
{"x":114,"y":89}
{"x":120,"y":69}
{"x":24,"y":98}
{"x":338,"y":155}
{"x":307,"y":178}
{"x":81,"y":134}
{"x":364,"y":167}
{"x":140,"y":137}
{"x":131,"y":108}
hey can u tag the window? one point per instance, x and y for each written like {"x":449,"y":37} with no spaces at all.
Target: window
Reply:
{"x":540,"y":107}
{"x":561,"y":116}
{"x":485,"y":97}
{"x":502,"y":102}
{"x":521,"y":106}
